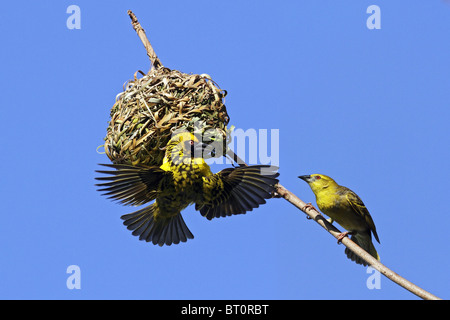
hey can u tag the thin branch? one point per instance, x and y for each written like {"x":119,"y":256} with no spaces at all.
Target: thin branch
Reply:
{"x":298,"y":203}
{"x":156,"y":63}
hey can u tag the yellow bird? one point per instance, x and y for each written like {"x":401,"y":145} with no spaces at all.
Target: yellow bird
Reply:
{"x":184,"y":178}
{"x":346,"y":208}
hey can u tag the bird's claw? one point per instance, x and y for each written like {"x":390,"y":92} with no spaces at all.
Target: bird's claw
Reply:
{"x":342,"y":236}
{"x":309,"y":206}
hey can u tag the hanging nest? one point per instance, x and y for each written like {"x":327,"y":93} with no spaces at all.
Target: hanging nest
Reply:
{"x":161,"y":103}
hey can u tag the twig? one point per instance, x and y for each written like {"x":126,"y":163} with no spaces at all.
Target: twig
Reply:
{"x":156,"y":63}
{"x":298,"y":203}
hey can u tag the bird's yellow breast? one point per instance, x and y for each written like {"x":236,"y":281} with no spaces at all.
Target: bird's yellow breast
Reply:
{"x":337,"y":207}
{"x":183,"y":188}
{"x":186,"y":174}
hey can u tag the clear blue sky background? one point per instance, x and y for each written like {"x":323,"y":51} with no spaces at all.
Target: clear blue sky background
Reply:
{"x":367,"y":107}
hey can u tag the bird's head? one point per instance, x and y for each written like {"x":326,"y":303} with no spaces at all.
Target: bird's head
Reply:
{"x":318,"y":182}
{"x":184,"y":148}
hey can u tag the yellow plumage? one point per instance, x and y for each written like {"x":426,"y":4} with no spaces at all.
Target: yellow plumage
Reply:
{"x":184,"y":178}
{"x":346,"y":208}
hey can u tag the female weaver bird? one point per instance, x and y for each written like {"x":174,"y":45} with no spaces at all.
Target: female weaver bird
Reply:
{"x":184,"y":178}
{"x":346,"y":208}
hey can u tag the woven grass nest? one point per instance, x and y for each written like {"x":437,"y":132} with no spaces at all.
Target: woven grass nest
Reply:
{"x":161,"y":103}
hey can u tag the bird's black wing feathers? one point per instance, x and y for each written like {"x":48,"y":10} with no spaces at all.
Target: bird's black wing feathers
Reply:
{"x":131,"y":185}
{"x":360,"y":209}
{"x":237,"y":190}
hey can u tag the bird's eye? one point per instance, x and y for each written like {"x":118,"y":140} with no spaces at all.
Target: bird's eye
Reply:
{"x":191,"y":142}
{"x":318,"y":177}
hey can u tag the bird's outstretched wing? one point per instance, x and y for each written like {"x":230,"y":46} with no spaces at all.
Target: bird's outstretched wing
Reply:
{"x":131,"y":185}
{"x":360,"y":209}
{"x":236,"y":190}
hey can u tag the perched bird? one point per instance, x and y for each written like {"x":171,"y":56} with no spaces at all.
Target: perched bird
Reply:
{"x":346,"y":208}
{"x":184,"y":178}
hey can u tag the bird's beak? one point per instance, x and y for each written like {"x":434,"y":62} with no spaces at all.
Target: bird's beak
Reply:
{"x":306,"y":178}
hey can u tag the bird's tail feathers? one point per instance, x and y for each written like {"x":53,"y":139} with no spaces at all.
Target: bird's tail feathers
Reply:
{"x":365,"y":242}
{"x":158,"y":230}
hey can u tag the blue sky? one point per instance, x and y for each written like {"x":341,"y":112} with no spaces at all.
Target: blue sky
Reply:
{"x":369,"y":108}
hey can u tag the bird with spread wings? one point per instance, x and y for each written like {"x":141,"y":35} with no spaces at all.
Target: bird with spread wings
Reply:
{"x":183,"y":179}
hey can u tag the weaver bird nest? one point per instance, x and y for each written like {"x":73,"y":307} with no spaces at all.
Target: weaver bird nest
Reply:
{"x":159,"y":104}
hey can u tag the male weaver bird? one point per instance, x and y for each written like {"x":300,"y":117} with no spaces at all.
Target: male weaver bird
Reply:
{"x":184,"y":178}
{"x":346,"y":208}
